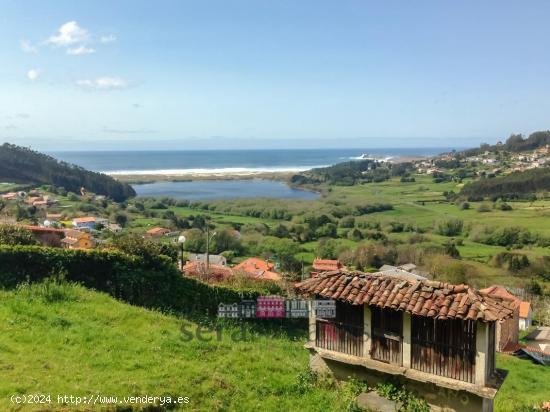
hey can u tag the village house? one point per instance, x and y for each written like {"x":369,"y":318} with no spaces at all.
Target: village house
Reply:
{"x":324,"y":265}
{"x":214,"y":272}
{"x":114,"y":227}
{"x":88,"y":222}
{"x":157,"y":232}
{"x":47,"y":236}
{"x":525,"y":315}
{"x":76,"y":239}
{"x":54,"y":217}
{"x":257,"y":269}
{"x":10,"y":196}
{"x":212,"y":259}
{"x":436,"y":338}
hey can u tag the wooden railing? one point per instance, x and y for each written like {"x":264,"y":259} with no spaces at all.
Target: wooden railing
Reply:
{"x":387,"y":347}
{"x":339,"y":337}
{"x":446,"y":348}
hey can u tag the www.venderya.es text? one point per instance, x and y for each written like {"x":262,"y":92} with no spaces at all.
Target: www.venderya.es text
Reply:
{"x":98,"y":399}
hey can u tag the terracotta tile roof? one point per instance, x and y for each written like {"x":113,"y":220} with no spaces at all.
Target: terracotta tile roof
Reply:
{"x":157,"y":230}
{"x":43,"y":229}
{"x":501,"y":292}
{"x":84,"y":219}
{"x":427,"y":298}
{"x":257,"y":268}
{"x":254,"y":264}
{"x":198,"y":269}
{"x":326,"y":264}
{"x":524,"y":308}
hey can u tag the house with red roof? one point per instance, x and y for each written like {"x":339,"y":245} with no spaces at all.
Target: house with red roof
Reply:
{"x":258,"y":269}
{"x":507,"y":330}
{"x":157,"y":232}
{"x":324,"y":265}
{"x":214,"y":273}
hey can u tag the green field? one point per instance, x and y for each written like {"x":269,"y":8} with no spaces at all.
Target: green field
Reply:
{"x":63,"y":339}
{"x":69,"y":340}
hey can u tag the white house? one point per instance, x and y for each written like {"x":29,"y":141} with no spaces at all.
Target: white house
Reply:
{"x":525,"y":315}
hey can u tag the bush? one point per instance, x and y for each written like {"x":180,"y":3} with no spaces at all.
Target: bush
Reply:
{"x":15,"y":235}
{"x":449,"y":227}
{"x":126,"y":277}
{"x":483,"y":208}
{"x":347,"y":222}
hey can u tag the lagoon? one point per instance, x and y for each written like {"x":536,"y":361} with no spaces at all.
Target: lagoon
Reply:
{"x":223,"y":189}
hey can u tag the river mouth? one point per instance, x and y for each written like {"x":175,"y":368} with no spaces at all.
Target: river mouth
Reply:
{"x":223,"y":190}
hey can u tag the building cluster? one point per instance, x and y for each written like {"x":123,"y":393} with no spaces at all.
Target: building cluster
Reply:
{"x":32,"y":198}
{"x":490,"y":162}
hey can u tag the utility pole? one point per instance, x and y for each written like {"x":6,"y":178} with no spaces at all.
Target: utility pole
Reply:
{"x":208,"y":239}
{"x":207,"y":248}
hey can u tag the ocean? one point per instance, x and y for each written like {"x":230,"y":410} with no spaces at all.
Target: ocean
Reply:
{"x":226,"y":161}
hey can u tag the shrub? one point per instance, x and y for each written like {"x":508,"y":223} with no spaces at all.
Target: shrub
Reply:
{"x":483,"y":208}
{"x":347,"y":222}
{"x":449,"y":227}
{"x":15,"y":235}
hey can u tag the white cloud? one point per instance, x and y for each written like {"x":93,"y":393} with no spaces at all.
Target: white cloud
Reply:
{"x":27,"y":46}
{"x":77,"y":51}
{"x":33,"y":74}
{"x":107,"y":39}
{"x":68,"y":34}
{"x":103,"y":83}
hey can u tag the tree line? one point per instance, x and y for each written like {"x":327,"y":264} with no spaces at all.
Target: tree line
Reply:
{"x":21,"y":164}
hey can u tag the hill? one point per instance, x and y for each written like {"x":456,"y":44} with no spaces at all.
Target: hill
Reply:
{"x":65,"y":339}
{"x":510,"y":186}
{"x":21,"y":164}
{"x":515,"y":143}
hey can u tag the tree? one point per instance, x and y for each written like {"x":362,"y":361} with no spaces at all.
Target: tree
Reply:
{"x":121,"y":219}
{"x":16,"y":235}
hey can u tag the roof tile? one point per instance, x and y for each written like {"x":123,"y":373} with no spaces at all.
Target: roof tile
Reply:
{"x":427,"y":298}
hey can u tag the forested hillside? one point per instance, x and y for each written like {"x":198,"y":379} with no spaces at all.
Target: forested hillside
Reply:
{"x":510,"y":186}
{"x":20,"y":164}
{"x":515,"y":143}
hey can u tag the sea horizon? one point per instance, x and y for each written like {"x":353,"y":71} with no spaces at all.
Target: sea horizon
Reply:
{"x":229,"y":161}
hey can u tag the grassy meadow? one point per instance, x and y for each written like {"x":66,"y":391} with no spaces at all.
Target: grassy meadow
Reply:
{"x":65,"y":339}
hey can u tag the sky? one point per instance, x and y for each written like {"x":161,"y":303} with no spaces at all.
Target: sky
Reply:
{"x":271,"y":74}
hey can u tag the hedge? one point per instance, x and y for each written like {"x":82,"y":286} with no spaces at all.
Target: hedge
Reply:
{"x":155,"y":284}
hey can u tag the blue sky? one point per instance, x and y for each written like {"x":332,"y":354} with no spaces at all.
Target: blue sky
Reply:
{"x":208,"y":74}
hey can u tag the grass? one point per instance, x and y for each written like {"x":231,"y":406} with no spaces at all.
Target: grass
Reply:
{"x":63,"y":339}
{"x":525,"y":385}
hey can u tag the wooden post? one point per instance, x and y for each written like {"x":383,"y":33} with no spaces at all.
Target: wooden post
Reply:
{"x":407,"y":346}
{"x":367,"y":322}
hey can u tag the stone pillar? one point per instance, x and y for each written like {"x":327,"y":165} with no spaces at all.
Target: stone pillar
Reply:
{"x":482,"y":341}
{"x":367,"y":322}
{"x":407,"y":348}
{"x":312,"y":318}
